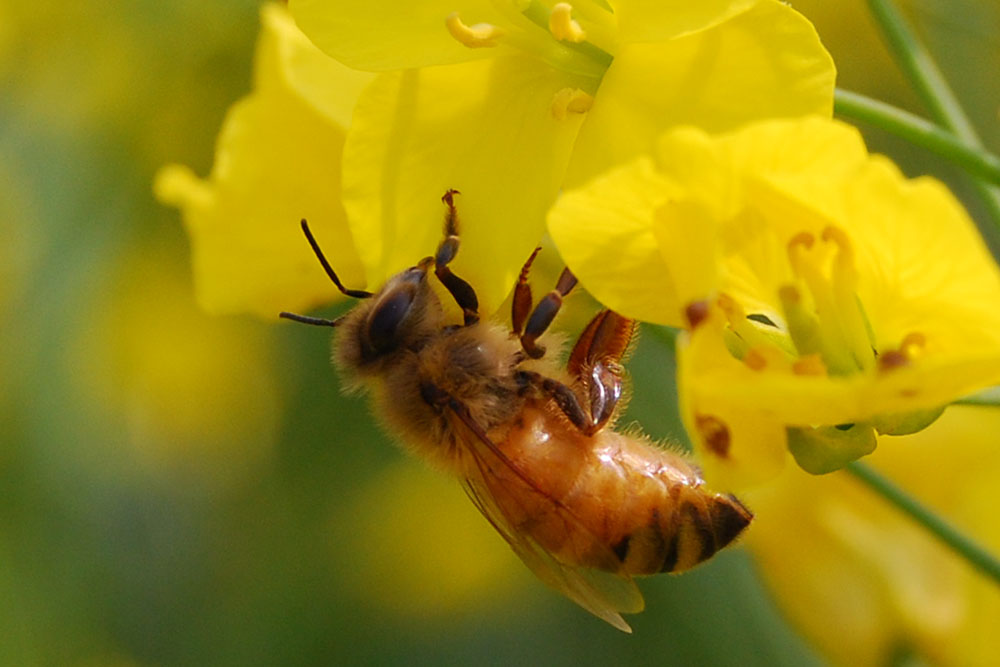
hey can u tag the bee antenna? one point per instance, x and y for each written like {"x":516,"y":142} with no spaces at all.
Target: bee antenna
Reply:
{"x":354,"y":293}
{"x":305,"y":319}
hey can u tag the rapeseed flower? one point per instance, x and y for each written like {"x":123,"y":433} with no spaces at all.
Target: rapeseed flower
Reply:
{"x":510,"y":101}
{"x":277,"y":161}
{"x":863,"y":582}
{"x":828,"y":299}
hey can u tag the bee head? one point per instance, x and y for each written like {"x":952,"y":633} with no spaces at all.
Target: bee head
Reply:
{"x":399,"y":317}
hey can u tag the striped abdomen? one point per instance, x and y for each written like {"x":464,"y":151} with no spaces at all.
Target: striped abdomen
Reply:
{"x":624,"y":496}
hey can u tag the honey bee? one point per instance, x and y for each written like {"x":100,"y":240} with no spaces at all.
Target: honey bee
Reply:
{"x":585,"y":507}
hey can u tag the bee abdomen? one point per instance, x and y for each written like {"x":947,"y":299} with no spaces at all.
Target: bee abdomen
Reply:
{"x":673,"y":541}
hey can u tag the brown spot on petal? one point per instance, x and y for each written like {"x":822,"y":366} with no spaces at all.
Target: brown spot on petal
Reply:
{"x":892,"y":359}
{"x":755,"y":360}
{"x":696,"y":313}
{"x":810,"y":364}
{"x":715,"y":433}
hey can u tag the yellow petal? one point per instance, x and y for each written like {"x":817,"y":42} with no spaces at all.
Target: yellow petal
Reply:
{"x":843,"y":563}
{"x":658,"y":20}
{"x":766,"y":62}
{"x":686,"y":232}
{"x":277,"y":161}
{"x":485,"y":128}
{"x":803,"y":400}
{"x":738,"y":445}
{"x":604,"y":232}
{"x":927,"y":268}
{"x":392,"y":35}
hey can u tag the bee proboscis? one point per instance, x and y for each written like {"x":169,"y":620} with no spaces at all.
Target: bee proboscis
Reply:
{"x":584,"y":506}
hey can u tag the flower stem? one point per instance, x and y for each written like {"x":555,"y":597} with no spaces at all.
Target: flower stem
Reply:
{"x":975,"y":554}
{"x":918,"y":131}
{"x":933,"y":89}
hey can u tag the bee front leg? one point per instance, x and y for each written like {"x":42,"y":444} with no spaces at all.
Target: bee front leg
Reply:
{"x":595,"y":363}
{"x":462,"y":291}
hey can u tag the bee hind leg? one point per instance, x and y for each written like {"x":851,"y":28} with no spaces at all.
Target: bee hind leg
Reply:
{"x":462,"y":291}
{"x":595,"y":363}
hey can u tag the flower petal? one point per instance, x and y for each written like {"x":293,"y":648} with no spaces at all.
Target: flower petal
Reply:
{"x":277,"y":161}
{"x":604,"y":233}
{"x":392,"y":35}
{"x":738,"y":445}
{"x":658,"y":20}
{"x":485,"y":128}
{"x":766,"y":62}
{"x":926,"y":267}
{"x":853,"y":566}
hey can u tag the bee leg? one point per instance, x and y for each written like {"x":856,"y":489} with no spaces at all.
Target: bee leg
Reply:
{"x":544,"y":312}
{"x":521,"y":304}
{"x":462,"y":291}
{"x":564,"y":396}
{"x":595,"y":363}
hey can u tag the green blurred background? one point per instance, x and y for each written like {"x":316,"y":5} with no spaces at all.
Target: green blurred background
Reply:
{"x":182,"y":489}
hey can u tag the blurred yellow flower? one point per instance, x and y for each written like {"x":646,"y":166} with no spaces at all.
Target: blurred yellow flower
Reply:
{"x":277,"y":161}
{"x":509,"y":101}
{"x":188,"y":392}
{"x":863,"y":582}
{"x":411,"y":543}
{"x":826,"y":289}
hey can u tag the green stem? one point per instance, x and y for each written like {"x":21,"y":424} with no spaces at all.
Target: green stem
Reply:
{"x":933,"y":89}
{"x":966,"y":548}
{"x":918,"y":131}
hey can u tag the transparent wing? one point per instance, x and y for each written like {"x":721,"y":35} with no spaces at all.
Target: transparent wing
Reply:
{"x":500,"y":490}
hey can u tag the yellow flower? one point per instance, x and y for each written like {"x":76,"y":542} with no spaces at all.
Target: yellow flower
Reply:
{"x":175,"y":385}
{"x":277,"y":161}
{"x":831,"y":294}
{"x":865,"y":583}
{"x":508,"y":101}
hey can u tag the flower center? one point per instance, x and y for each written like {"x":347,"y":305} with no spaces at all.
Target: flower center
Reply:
{"x":826,"y":330}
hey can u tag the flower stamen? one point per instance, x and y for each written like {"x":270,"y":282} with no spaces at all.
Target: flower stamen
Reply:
{"x":844,"y":287}
{"x":834,"y":322}
{"x":913,"y":344}
{"x":570,"y":100}
{"x":811,"y":364}
{"x":478,"y":36}
{"x":563,"y":27}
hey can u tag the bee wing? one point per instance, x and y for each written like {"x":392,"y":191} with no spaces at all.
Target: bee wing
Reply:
{"x":604,"y":592}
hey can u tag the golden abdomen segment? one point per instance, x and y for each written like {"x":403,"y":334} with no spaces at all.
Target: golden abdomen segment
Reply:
{"x":612,"y":500}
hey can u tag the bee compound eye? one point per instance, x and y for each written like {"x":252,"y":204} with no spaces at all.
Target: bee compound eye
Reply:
{"x":384,"y":321}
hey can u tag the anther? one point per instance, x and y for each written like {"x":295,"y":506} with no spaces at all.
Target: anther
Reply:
{"x":562,"y":26}
{"x":789,"y":295}
{"x":913,"y":344}
{"x":570,"y":100}
{"x":811,"y":364}
{"x":478,"y":36}
{"x":755,"y":360}
{"x":733,"y":311}
{"x":839,"y":237}
{"x":797,"y":247}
